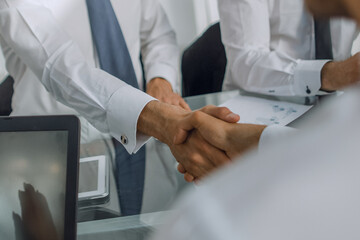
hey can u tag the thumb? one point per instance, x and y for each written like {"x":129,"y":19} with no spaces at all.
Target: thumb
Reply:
{"x":222,"y":113}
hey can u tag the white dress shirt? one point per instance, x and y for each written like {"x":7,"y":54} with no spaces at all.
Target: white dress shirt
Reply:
{"x":270,"y":46}
{"x":3,"y":72}
{"x":146,"y":30}
{"x":301,"y":187}
{"x":36,"y":47}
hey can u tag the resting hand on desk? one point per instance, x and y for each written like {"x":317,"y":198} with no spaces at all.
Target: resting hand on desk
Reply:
{"x":234,"y":139}
{"x":161,"y":89}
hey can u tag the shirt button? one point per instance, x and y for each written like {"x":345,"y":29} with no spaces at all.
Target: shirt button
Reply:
{"x":124,"y":139}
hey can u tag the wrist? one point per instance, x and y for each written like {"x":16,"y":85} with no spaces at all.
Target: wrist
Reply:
{"x":159,"y":120}
{"x":248,"y":136}
{"x":327,"y":73}
{"x":158,"y":81}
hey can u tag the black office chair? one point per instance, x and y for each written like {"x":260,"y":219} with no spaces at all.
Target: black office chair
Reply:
{"x":6,"y":93}
{"x":203,"y":64}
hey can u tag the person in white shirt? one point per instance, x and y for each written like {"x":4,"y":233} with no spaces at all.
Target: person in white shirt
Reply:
{"x":30,"y":35}
{"x":146,"y":30}
{"x":3,"y":72}
{"x":271,"y":49}
{"x":303,"y":186}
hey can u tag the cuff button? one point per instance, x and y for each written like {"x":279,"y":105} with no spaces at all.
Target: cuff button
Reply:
{"x":124,"y":140}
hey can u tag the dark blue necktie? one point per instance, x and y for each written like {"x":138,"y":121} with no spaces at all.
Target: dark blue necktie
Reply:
{"x":115,"y":59}
{"x":323,"y":41}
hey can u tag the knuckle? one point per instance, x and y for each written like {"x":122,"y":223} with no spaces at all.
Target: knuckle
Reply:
{"x":188,"y":177}
{"x":193,"y":157}
{"x":197,"y":159}
{"x":197,"y":115}
{"x":205,"y":109}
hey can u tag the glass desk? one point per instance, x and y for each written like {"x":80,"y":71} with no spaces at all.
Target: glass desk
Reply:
{"x":162,"y":185}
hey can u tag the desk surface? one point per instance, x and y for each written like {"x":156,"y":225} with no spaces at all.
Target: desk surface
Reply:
{"x":140,"y":226}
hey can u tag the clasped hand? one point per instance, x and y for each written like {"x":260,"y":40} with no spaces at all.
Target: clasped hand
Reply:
{"x":214,"y":132}
{"x":192,"y":149}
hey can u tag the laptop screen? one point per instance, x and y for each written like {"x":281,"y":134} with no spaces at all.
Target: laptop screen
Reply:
{"x":33,"y":184}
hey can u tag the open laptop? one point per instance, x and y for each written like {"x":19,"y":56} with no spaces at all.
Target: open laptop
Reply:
{"x":38,"y":177}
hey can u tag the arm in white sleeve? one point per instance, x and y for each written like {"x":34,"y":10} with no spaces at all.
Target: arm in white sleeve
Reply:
{"x":3,"y":72}
{"x":31,"y":31}
{"x":158,"y":44}
{"x":253,"y":65}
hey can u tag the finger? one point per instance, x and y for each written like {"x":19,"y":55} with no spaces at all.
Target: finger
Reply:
{"x":188,"y":177}
{"x":222,"y":113}
{"x":181,"y":168}
{"x":205,"y":158}
{"x":219,"y":158}
{"x":184,"y":105}
{"x":198,"y":165}
{"x":215,"y":155}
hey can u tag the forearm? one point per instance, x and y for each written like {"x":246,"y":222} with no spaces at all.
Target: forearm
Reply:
{"x":246,"y":136}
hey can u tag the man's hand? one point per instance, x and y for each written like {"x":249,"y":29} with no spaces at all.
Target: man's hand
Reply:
{"x":229,"y":136}
{"x":337,"y":75}
{"x":233,"y":138}
{"x":161,"y":89}
{"x":164,"y":122}
{"x":199,"y":157}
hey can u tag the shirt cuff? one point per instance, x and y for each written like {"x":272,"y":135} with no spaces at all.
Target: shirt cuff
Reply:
{"x":163,"y":71}
{"x":124,"y":109}
{"x":273,"y":134}
{"x":307,"y":77}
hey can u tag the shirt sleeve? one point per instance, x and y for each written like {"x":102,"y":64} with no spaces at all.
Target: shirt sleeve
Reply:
{"x":3,"y":73}
{"x":246,"y":34}
{"x":31,"y":31}
{"x":158,"y":44}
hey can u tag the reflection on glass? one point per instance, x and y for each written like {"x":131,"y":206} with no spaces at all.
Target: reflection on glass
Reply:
{"x":36,"y":158}
{"x":89,"y":184}
{"x":36,"y":222}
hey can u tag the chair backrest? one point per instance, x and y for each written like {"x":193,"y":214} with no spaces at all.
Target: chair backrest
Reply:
{"x":203,"y":64}
{"x":6,"y":93}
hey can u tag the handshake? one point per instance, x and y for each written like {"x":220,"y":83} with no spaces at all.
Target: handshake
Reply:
{"x":201,"y":141}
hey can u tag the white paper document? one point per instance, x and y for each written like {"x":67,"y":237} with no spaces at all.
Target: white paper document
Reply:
{"x":266,"y":112}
